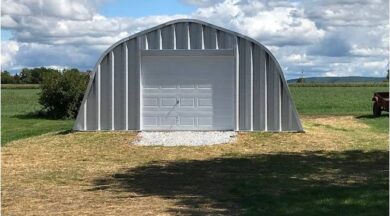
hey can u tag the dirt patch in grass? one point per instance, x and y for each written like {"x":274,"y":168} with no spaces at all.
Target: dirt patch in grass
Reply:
{"x":337,"y":165}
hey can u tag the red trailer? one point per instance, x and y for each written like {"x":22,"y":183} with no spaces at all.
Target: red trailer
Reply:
{"x":381,"y":103}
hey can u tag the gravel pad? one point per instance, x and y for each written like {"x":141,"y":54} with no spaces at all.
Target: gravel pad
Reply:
{"x":185,"y":138}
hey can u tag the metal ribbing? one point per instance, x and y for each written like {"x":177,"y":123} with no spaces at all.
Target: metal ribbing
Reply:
{"x":216,"y":39}
{"x":127,"y":86}
{"x":85,"y":115}
{"x":159,"y":38}
{"x":265,"y":93}
{"x":174,"y":36}
{"x":98,"y":97}
{"x":251,"y":83}
{"x":202,"y":29}
{"x":140,"y":85}
{"x":188,"y":36}
{"x":280,"y":105}
{"x":112,"y":91}
{"x":237,"y":54}
{"x":146,"y":42}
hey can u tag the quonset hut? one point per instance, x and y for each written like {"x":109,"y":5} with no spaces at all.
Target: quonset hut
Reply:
{"x":187,"y":75}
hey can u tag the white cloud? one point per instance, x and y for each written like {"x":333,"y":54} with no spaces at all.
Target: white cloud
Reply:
{"x":334,"y":37}
{"x":8,"y":51}
{"x":280,"y":24}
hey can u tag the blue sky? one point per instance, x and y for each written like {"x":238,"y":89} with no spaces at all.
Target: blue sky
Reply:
{"x":123,"y":8}
{"x":322,"y":38}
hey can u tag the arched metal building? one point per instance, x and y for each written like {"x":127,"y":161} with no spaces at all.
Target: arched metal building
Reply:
{"x":187,"y":75}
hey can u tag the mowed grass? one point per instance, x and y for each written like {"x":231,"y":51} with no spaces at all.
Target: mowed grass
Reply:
{"x":18,"y":119}
{"x":339,"y":166}
{"x":335,"y":100}
{"x":18,"y":105}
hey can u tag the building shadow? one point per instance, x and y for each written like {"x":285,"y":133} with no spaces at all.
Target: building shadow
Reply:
{"x":309,"y":183}
{"x":370,"y":116}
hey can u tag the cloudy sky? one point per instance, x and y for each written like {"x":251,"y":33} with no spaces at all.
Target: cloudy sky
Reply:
{"x":320,"y":37}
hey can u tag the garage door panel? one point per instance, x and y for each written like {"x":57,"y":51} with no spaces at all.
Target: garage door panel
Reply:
{"x":150,"y":102}
{"x":168,"y":101}
{"x":187,"y":93}
{"x":204,"y":102}
{"x":205,"y":121}
{"x":187,"y":102}
{"x":188,"y":121}
{"x":150,"y":121}
{"x":167,"y":121}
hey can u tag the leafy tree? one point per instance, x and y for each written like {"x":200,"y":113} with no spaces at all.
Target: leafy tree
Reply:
{"x":35,"y":75}
{"x":25,"y":76}
{"x":62,"y":93}
{"x":6,"y":78}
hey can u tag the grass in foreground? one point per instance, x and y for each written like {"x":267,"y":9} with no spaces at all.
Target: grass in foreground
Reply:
{"x":17,"y":123}
{"x":334,"y":100}
{"x":339,"y":166}
{"x":17,"y":120}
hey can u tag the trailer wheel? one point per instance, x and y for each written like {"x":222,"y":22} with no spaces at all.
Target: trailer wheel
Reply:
{"x":376,"y":110}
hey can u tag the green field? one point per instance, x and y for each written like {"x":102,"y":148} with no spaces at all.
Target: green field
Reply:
{"x":19,"y":104}
{"x":354,"y":101}
{"x":339,"y":166}
{"x":18,"y":119}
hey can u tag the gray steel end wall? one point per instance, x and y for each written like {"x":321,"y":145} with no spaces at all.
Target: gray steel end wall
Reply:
{"x":264,"y":100}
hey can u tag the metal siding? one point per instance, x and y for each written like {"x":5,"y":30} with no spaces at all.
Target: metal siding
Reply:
{"x":258,"y":88}
{"x":273,"y":82}
{"x":196,"y":35}
{"x":245,"y":90}
{"x":295,"y":123}
{"x":262,"y":92}
{"x":119,"y":88}
{"x":167,"y":37}
{"x":286,"y":109}
{"x":225,"y":40}
{"x":91,"y":108}
{"x":105,"y":110}
{"x":210,"y":38}
{"x":143,"y":42}
{"x":153,"y":39}
{"x":79,"y":124}
{"x":133,"y":83}
{"x":181,"y":30}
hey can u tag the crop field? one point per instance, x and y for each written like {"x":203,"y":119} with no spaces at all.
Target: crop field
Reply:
{"x":339,"y":166}
{"x":19,"y":118}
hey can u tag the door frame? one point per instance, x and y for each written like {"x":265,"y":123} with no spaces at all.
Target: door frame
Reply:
{"x":218,"y":52}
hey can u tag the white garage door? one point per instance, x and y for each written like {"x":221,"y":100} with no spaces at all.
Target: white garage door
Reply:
{"x":187,"y":93}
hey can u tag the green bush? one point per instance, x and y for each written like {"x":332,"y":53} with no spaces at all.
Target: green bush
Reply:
{"x":62,"y":93}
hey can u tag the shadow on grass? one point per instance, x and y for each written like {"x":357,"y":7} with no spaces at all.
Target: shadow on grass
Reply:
{"x":65,"y":132}
{"x":37,"y":115}
{"x":370,"y":116}
{"x":33,"y":115}
{"x":311,"y":183}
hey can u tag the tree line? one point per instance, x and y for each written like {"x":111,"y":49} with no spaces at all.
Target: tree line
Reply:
{"x":61,"y":91}
{"x":32,"y":76}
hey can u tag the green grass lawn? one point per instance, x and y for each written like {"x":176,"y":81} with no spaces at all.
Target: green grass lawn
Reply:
{"x":339,"y":166}
{"x":354,"y":101}
{"x":18,"y":104}
{"x":17,"y":121}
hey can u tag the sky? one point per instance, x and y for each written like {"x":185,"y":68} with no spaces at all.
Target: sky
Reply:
{"x":316,"y":37}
